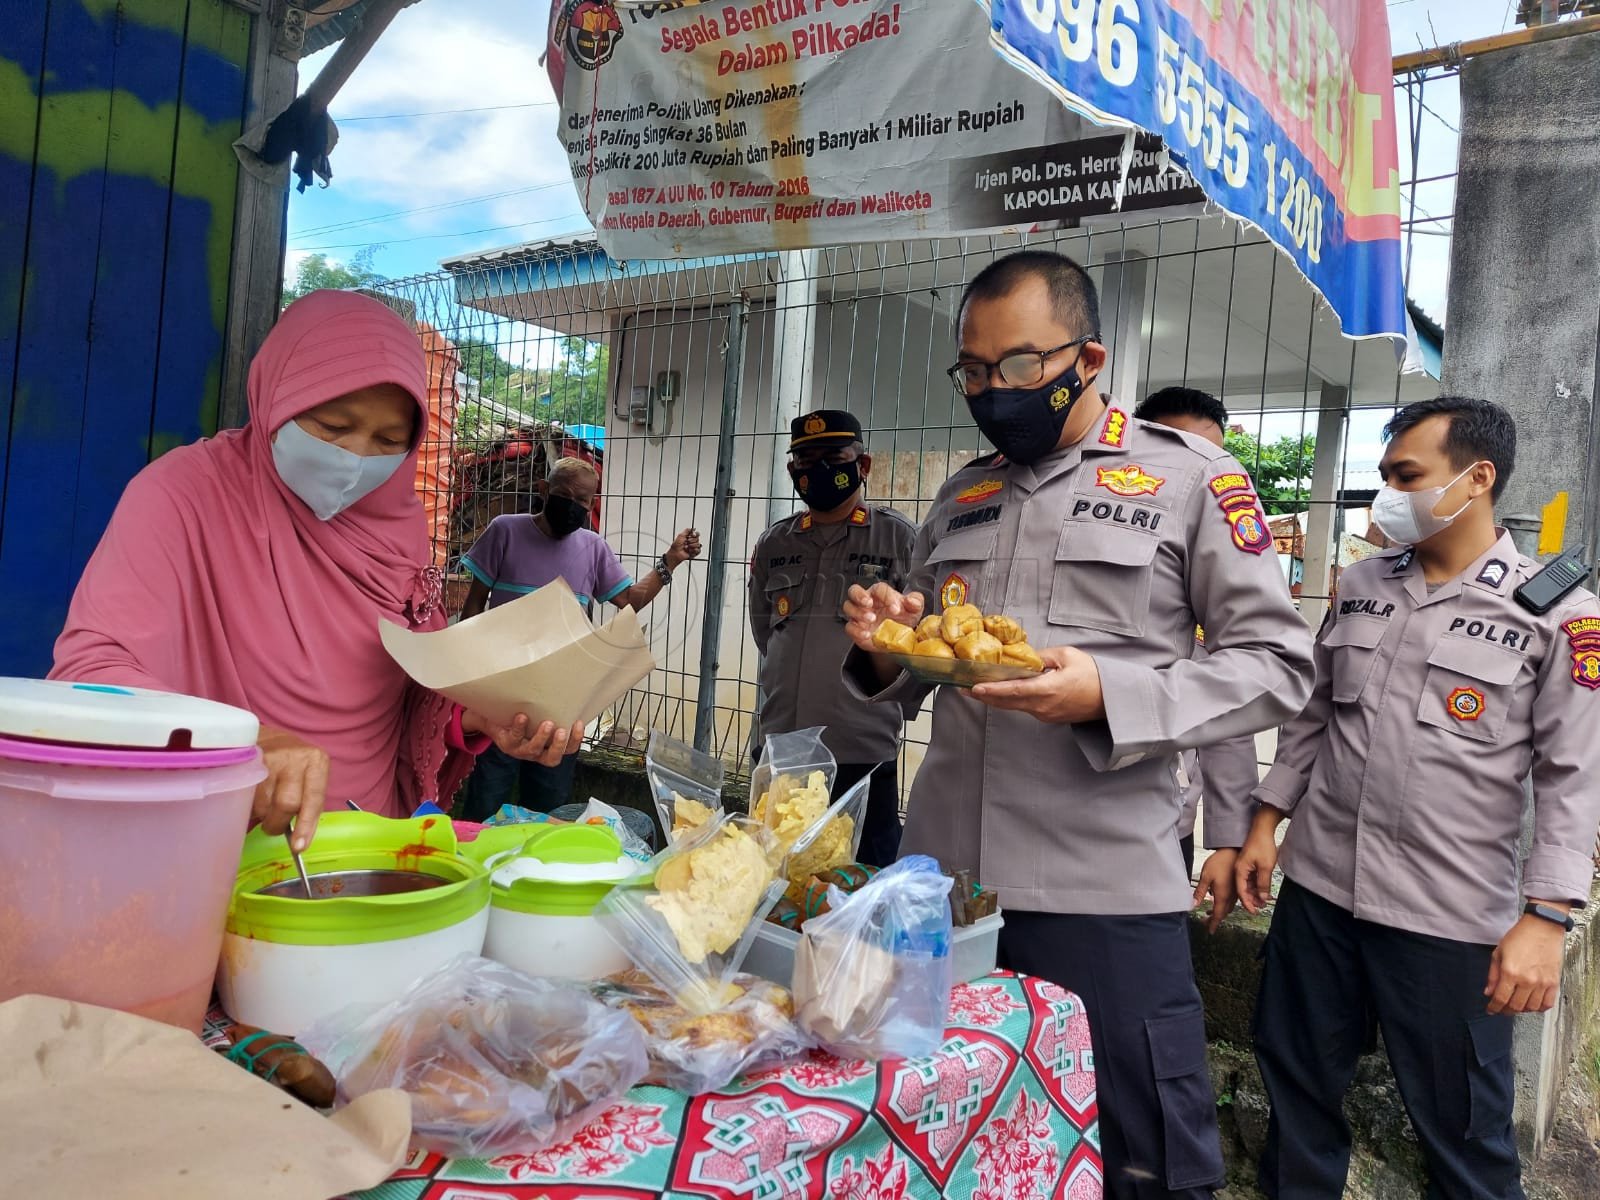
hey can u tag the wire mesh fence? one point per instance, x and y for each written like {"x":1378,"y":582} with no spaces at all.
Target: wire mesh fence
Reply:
{"x":554,"y":350}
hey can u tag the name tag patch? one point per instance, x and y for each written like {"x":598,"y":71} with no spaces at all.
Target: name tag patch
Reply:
{"x":979,"y":516}
{"x":1134,"y":516}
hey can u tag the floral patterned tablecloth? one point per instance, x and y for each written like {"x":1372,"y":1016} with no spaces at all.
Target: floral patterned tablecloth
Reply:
{"x":1004,"y":1111}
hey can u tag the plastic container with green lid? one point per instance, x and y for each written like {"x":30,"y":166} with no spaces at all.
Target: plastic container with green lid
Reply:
{"x":546,"y":881}
{"x":288,"y":961}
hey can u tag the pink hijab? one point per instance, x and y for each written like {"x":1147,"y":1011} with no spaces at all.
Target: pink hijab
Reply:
{"x":215,"y":580}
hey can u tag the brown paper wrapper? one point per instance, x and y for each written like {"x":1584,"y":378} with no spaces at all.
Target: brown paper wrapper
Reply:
{"x":105,"y":1104}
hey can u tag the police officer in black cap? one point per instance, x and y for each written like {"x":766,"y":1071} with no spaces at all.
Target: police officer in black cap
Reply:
{"x":799,"y":573}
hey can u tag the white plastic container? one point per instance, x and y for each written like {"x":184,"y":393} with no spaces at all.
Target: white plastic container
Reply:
{"x":288,"y":962}
{"x":973,"y":951}
{"x":546,"y":883}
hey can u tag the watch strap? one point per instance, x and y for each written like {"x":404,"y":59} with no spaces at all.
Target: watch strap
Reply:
{"x":1549,"y":913}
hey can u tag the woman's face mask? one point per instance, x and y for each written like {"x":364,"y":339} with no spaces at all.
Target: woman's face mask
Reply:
{"x":328,"y":478}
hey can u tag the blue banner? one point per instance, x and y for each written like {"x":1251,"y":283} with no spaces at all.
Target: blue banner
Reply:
{"x":1282,"y":112}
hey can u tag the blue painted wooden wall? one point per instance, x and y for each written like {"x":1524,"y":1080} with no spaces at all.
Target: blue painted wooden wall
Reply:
{"x":117,"y":184}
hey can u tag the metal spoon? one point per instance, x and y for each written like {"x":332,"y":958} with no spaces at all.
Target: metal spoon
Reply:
{"x":305,"y":879}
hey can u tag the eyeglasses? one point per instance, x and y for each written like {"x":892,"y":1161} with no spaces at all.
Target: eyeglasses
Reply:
{"x":971,"y":378}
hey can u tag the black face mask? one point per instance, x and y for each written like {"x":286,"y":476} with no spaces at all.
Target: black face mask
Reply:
{"x":825,"y":486}
{"x":1026,"y":423}
{"x":564,"y":515}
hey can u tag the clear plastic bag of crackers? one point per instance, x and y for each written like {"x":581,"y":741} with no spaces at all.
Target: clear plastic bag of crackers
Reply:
{"x":688,"y":921}
{"x":685,"y":783}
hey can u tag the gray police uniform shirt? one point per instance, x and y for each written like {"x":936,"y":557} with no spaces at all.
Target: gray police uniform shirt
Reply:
{"x":1119,"y":546}
{"x":1404,"y":774}
{"x":799,"y":573}
{"x":1225,"y":773}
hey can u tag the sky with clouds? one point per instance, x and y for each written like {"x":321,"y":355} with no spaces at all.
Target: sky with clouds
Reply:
{"x":417,"y":179}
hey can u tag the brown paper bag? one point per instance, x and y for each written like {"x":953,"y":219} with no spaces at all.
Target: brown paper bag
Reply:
{"x":842,"y":986}
{"x":537,"y":655}
{"x":104,"y":1104}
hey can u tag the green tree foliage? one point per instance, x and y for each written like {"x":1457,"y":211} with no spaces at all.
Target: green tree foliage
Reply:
{"x":1281,"y":469}
{"x":572,"y":390}
{"x":318,"y":271}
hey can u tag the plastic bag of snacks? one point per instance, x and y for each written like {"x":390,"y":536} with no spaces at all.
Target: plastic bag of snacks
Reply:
{"x":791,"y":763}
{"x":699,"y":1053}
{"x":494,"y":1062}
{"x":791,"y":792}
{"x":688,"y":920}
{"x":872,"y":974}
{"x":686,"y":785}
{"x":829,"y":843}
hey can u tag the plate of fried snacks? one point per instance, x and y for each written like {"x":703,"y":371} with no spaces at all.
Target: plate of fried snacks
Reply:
{"x":960,"y":647}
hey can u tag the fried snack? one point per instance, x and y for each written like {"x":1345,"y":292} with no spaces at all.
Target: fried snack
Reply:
{"x":979,"y":647}
{"x":454,"y":1063}
{"x":934,"y":647}
{"x":1021,"y":655}
{"x":832,"y":848}
{"x":960,"y":621}
{"x":790,"y":811}
{"x":689,"y":814}
{"x":1008,"y":631}
{"x":708,"y":895}
{"x":789,"y":808}
{"x":930,"y":629}
{"x":894,"y":637}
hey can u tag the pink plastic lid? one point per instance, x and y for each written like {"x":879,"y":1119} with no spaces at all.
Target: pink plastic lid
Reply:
{"x":63,"y":755}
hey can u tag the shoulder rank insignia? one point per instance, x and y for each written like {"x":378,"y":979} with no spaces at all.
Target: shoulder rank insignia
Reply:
{"x":805,"y":521}
{"x":1115,"y":430}
{"x":1129,"y":480}
{"x":1583,"y":638}
{"x":1465,"y":704}
{"x":1493,"y":573}
{"x":1404,"y":561}
{"x":860,"y":516}
{"x":980,"y":492}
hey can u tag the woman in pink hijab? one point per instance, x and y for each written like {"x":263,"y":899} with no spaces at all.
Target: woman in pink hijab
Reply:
{"x":253,"y":568}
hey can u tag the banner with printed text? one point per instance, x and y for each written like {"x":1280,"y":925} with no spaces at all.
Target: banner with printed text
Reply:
{"x":1281,"y":110}
{"x":751,"y":125}
{"x":707,"y":127}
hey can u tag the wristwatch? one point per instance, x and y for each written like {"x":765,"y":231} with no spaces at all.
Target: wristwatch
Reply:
{"x":1549,"y":913}
{"x":663,"y":572}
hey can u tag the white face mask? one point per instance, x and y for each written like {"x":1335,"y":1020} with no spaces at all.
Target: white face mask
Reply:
{"x":328,"y":478}
{"x":1407,"y":518}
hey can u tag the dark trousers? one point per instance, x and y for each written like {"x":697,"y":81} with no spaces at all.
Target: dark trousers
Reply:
{"x":1324,"y":971}
{"x":498,"y":776}
{"x":880,"y":832}
{"x":1158,"y":1113}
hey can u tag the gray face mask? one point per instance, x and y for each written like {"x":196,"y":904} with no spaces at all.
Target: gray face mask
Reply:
{"x":328,"y":478}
